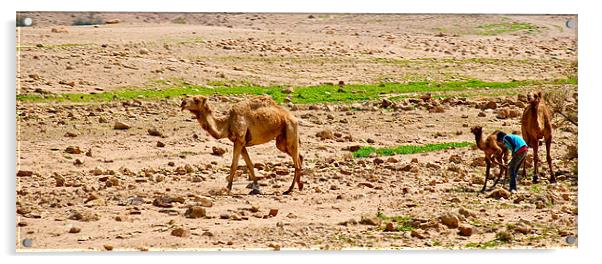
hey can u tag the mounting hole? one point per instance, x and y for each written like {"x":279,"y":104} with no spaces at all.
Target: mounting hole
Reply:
{"x":27,"y":242}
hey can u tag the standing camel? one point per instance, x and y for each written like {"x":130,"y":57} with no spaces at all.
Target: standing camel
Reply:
{"x":494,"y":152}
{"x":536,"y":123}
{"x":248,"y":123}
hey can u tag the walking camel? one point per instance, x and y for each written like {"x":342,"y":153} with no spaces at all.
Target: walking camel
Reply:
{"x":494,"y":153}
{"x":536,"y":123}
{"x":248,"y":123}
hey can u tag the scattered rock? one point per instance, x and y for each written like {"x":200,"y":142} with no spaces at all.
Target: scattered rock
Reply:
{"x":154,"y":132}
{"x":455,"y":159}
{"x":108,"y":247}
{"x":84,"y":216}
{"x":275,"y":246}
{"x":325,"y":134}
{"x":112,"y":21}
{"x":144,"y":51}
{"x":24,"y":173}
{"x":466,"y":213}
{"x":218,"y":151}
{"x":74,"y":230}
{"x":121,"y":125}
{"x":499,"y":193}
{"x":70,"y":134}
{"x":273,"y":212}
{"x":418,"y":233}
{"x":490,"y":105}
{"x":160,"y":144}
{"x":73,"y":150}
{"x":437,"y":109}
{"x":195,"y":212}
{"x":390,"y":227}
{"x":370,"y":220}
{"x":465,"y":230}
{"x":180,"y":232}
{"x":450,"y":220}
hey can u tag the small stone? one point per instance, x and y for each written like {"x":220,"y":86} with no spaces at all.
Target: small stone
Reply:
{"x":390,"y":227}
{"x":465,"y":230}
{"x":450,"y":220}
{"x":273,"y":212}
{"x":325,"y":134}
{"x":73,"y":150}
{"x":74,"y":230}
{"x":490,"y":105}
{"x":218,"y":151}
{"x":84,"y":216}
{"x":24,"y":173}
{"x":121,"y":125}
{"x":523,"y":228}
{"x":455,"y":159}
{"x":370,"y":220}
{"x":195,"y":212}
{"x":60,"y":180}
{"x":418,"y":233}
{"x":180,"y":232}
{"x":160,"y":144}
{"x":108,"y":247}
{"x":275,"y":246}
{"x":70,"y":134}
{"x":144,"y":51}
{"x":499,"y":193}
{"x":154,"y":132}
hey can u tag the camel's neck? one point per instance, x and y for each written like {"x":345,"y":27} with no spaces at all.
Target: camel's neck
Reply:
{"x":479,"y":139}
{"x":216,"y":126}
{"x":535,"y":115}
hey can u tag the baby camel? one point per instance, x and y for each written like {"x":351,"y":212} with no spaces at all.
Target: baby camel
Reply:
{"x":494,"y":152}
{"x":248,"y":123}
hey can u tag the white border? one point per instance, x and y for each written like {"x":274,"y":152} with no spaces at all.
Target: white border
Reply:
{"x":589,"y":91}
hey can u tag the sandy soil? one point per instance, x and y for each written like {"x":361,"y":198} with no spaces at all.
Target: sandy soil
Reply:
{"x":130,"y":194}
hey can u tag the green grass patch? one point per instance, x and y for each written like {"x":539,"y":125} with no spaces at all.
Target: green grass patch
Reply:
{"x":404,"y":223}
{"x":500,"y":28}
{"x":408,"y":149}
{"x":302,"y":95}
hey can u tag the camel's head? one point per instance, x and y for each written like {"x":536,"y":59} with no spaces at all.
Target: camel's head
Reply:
{"x":196,"y":104}
{"x":477,"y":130}
{"x":534,"y":97}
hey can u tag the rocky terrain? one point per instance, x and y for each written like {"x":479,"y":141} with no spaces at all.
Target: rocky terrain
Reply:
{"x":140,"y":174}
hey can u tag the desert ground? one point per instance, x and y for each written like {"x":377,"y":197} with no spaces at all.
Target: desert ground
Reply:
{"x":129,"y":171}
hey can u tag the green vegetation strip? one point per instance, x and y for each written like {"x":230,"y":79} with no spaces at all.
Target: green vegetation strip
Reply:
{"x":494,"y":29}
{"x":364,"y":152}
{"x":404,"y":223}
{"x":300,"y":95}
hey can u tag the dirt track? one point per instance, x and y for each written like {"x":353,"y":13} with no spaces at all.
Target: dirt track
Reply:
{"x":114,"y":196}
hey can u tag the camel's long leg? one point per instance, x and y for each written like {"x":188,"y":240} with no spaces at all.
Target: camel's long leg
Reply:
{"x":535,"y":160}
{"x":549,"y":159}
{"x":488,"y":162}
{"x":235,"y":156}
{"x":290,"y":145}
{"x":250,"y":168}
{"x":499,"y":160}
